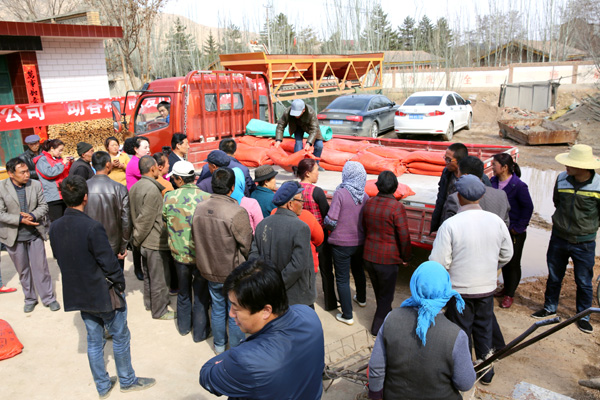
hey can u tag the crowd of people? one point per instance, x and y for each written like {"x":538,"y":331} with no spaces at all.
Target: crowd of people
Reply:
{"x":242,"y":256}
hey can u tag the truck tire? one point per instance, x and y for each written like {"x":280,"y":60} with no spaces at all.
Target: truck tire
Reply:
{"x":449,"y":132}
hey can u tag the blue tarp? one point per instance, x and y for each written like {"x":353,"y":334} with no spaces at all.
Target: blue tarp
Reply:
{"x":256,"y":127}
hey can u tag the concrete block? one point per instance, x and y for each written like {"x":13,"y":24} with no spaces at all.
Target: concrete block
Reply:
{"x":528,"y":391}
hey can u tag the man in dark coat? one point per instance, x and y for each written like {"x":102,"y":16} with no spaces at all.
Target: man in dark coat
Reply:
{"x":229,"y":147}
{"x":284,"y":240}
{"x":33,"y":150}
{"x":82,"y":166}
{"x":93,"y":283}
{"x":108,"y":203}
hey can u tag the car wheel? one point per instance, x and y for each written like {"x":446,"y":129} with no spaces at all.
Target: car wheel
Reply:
{"x":469,"y":122}
{"x":374,"y":130}
{"x":449,"y":132}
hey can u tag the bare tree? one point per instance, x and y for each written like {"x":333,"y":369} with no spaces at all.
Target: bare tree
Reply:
{"x":30,"y":10}
{"x":136,"y":18}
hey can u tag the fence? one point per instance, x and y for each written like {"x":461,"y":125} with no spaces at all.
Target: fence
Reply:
{"x":579,"y":72}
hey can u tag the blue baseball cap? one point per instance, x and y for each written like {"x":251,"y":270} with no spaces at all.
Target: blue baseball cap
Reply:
{"x":286,"y":192}
{"x":218,"y":158}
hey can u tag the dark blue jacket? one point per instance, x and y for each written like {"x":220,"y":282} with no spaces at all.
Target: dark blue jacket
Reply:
{"x":521,"y":206}
{"x":284,"y":360}
{"x":234,"y":163}
{"x":86,"y":261}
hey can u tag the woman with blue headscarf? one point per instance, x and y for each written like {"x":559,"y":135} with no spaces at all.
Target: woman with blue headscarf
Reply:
{"x":249,"y":204}
{"x":419,"y":353}
{"x":348,"y":237}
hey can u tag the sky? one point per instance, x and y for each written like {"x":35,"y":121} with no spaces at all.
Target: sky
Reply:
{"x":252,"y":13}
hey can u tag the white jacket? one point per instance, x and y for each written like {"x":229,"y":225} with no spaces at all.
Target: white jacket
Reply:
{"x":472,"y":245}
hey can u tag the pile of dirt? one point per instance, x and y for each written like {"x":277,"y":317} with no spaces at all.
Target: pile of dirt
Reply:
{"x":582,"y":118}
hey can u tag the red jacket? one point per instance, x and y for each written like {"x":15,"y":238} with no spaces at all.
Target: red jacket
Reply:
{"x":52,"y":161}
{"x":387,"y":238}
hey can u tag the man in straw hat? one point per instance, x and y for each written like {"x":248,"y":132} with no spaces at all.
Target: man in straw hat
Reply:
{"x":574,"y":226}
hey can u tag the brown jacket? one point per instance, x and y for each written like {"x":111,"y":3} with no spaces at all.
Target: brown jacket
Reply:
{"x":222,"y":235}
{"x":308,"y":122}
{"x":146,"y":203}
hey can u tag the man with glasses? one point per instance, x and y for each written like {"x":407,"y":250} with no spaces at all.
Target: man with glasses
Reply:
{"x":446,"y":186}
{"x":284,"y":239}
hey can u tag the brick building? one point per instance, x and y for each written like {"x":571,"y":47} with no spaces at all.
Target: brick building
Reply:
{"x":50,"y":62}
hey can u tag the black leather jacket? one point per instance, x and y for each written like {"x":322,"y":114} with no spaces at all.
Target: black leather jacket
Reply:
{"x":28,"y":157}
{"x":108,"y":203}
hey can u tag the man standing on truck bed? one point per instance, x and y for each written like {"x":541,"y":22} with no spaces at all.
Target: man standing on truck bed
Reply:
{"x":300,"y":118}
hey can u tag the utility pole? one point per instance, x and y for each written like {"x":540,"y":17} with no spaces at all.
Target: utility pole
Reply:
{"x":268,"y":7}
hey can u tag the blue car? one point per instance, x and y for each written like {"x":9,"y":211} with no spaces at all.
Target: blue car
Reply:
{"x":359,"y":115}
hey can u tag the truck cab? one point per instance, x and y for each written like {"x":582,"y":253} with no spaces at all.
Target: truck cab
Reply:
{"x":204,"y":105}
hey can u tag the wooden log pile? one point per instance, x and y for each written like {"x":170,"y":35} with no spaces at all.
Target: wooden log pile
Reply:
{"x":93,"y":132}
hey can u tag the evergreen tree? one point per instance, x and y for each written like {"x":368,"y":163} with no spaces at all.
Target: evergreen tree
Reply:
{"x":211,"y":50}
{"x":181,"y":51}
{"x":424,"y":34}
{"x":279,"y":34}
{"x":379,"y":35}
{"x":406,"y":33}
{"x":308,"y":41}
{"x":232,"y":40}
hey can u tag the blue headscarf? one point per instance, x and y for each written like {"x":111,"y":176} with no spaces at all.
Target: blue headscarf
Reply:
{"x":354,"y":179}
{"x":240,"y":185}
{"x":431,"y":289}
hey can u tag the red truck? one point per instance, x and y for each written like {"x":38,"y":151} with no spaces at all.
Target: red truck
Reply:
{"x":204,"y":105}
{"x":201,"y":106}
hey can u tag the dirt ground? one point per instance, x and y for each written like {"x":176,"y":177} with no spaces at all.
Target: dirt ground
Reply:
{"x":54,"y":361}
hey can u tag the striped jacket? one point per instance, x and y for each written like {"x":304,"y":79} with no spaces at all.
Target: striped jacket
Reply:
{"x":577,"y":215}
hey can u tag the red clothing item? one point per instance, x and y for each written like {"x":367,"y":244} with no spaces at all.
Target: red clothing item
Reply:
{"x":53,"y":161}
{"x":387,"y":238}
{"x":309,"y":202}
{"x":316,"y":234}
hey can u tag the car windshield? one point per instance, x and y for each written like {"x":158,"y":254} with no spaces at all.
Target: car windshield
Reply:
{"x":423,"y":101}
{"x":348,"y":103}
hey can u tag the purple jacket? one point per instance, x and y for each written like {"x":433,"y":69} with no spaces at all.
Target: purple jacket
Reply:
{"x":521,"y":206}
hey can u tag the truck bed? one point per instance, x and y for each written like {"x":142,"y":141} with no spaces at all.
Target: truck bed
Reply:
{"x":419,"y":207}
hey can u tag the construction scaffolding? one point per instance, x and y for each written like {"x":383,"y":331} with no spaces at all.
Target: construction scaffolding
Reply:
{"x":306,"y":76}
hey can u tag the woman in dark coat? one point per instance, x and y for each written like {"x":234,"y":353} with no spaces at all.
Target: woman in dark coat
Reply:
{"x":506,"y":177}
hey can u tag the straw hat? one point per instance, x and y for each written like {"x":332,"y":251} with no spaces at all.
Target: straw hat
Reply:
{"x":580,"y":156}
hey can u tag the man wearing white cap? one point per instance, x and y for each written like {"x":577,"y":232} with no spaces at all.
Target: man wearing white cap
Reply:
{"x":300,"y":118}
{"x":574,"y":226}
{"x":178,"y":212}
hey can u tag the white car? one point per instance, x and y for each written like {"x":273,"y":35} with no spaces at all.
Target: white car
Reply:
{"x":434,"y":113}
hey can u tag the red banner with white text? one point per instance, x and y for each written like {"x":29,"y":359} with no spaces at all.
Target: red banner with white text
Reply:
{"x":21,"y":116}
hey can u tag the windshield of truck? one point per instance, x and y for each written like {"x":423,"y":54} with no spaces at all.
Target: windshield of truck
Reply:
{"x":153,"y":113}
{"x":423,"y":101}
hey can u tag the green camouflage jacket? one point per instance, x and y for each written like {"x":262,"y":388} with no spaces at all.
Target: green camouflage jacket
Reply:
{"x":178,"y":212}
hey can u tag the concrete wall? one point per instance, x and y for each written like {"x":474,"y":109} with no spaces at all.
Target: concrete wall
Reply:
{"x":581,"y":73}
{"x":72,"y":69}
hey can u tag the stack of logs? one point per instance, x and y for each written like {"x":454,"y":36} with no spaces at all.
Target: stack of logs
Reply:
{"x":93,"y":132}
